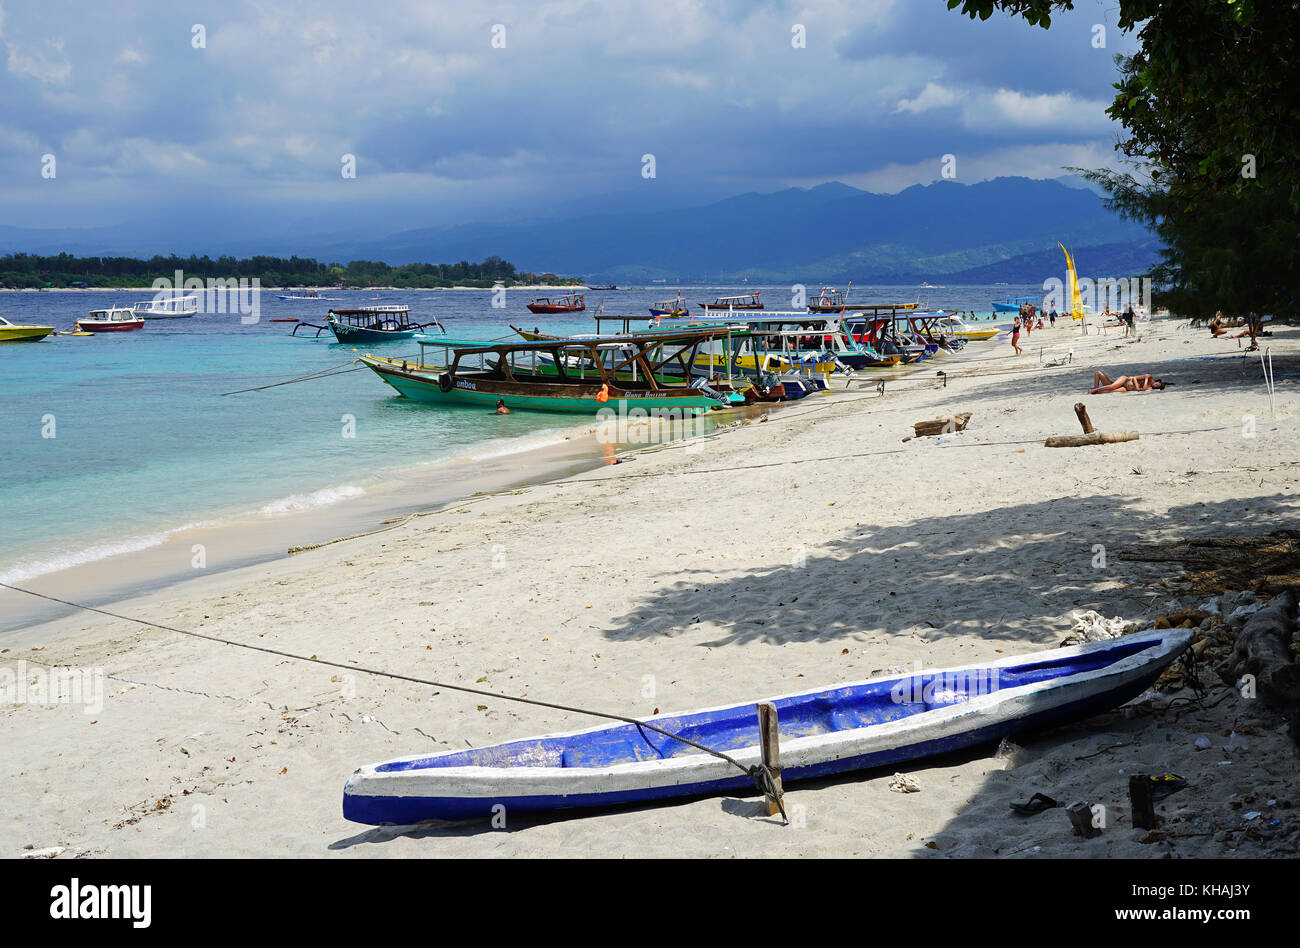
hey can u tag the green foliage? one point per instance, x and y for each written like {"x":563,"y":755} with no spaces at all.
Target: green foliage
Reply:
{"x":23,"y":271}
{"x":1213,"y":123}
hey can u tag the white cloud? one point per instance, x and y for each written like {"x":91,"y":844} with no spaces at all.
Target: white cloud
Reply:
{"x":933,"y":96}
{"x":53,"y":69}
{"x":1062,"y":110}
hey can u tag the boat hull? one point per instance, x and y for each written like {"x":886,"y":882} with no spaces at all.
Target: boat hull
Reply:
{"x":354,"y":335}
{"x":86,"y":325}
{"x":848,"y":727}
{"x":24,"y":333}
{"x":422,"y":388}
{"x":553,"y":310}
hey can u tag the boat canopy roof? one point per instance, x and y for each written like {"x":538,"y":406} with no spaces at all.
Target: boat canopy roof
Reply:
{"x":641,"y":339}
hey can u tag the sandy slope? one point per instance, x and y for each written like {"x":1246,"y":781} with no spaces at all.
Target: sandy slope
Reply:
{"x":811,"y":548}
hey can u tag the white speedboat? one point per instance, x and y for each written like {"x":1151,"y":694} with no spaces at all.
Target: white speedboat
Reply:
{"x":116,"y":319}
{"x":164,"y":306}
{"x":956,"y":326}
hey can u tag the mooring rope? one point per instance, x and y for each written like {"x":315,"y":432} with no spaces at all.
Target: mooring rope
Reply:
{"x":310,"y":377}
{"x":759,"y":773}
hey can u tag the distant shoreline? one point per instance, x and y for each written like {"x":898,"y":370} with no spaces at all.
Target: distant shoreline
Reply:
{"x":320,"y":289}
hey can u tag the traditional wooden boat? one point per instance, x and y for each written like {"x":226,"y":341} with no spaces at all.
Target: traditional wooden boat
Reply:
{"x":831,"y":300}
{"x":609,"y":286}
{"x":370,"y":324}
{"x":572,"y":303}
{"x":116,"y":319}
{"x":670,"y":308}
{"x":748,"y":301}
{"x":846,"y":727}
{"x":649,"y":371}
{"x":12,"y":332}
{"x":168,"y":306}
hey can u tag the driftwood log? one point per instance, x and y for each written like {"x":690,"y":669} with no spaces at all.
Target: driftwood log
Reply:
{"x":1263,"y":650}
{"x":941,"y":426}
{"x":1097,"y":437}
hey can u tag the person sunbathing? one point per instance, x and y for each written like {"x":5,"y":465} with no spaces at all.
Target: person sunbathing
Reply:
{"x":1216,"y":325}
{"x":1102,"y":383}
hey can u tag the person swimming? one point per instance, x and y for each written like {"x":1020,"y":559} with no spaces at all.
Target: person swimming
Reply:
{"x":501,"y":407}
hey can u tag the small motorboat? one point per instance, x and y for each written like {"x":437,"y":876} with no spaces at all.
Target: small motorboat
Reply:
{"x":116,"y":319}
{"x":573,"y":303}
{"x":830,"y":730}
{"x":168,"y":306}
{"x":12,"y":332}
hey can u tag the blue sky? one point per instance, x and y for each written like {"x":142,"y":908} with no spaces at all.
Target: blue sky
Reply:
{"x":249,"y":132}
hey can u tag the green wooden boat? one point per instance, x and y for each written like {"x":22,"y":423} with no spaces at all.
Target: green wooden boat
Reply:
{"x":647,"y":371}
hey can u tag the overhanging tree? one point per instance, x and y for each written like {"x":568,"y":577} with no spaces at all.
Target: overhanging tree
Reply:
{"x":1212,"y":118}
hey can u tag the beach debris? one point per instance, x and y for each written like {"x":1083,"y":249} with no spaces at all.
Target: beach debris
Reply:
{"x":1203,"y":744}
{"x":940,"y":426}
{"x":1236,"y":742}
{"x":1090,"y":626}
{"x":1181,"y":618}
{"x":904,"y":783}
{"x":1262,"y":651}
{"x":1008,"y":752}
{"x":1081,"y":818}
{"x":50,"y":852}
{"x":1097,"y":437}
{"x":1036,"y":804}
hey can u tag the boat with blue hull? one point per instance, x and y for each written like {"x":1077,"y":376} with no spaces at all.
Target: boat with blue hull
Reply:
{"x":826,"y":731}
{"x":371,"y":324}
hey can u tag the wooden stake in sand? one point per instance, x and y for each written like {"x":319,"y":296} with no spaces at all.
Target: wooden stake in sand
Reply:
{"x":1144,"y":807}
{"x":1081,"y":410}
{"x":770,"y":746}
{"x":1097,"y":437}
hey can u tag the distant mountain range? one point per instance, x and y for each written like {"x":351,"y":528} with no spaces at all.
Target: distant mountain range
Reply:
{"x":1005,"y":229}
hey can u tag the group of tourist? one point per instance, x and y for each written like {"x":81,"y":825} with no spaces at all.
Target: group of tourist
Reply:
{"x":1029,"y":319}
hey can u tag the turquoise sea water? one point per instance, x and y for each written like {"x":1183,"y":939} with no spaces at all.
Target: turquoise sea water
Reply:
{"x":144,"y":441}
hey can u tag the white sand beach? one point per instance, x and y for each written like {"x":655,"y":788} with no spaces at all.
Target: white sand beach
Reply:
{"x":812,"y":547}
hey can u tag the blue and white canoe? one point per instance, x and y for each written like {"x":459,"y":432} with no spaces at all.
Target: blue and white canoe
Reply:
{"x":830,"y":730}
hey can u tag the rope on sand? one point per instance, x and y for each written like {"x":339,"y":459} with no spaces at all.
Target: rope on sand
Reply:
{"x":759,"y":773}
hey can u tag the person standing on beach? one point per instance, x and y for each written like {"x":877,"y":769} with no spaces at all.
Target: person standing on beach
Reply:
{"x":1015,"y":335}
{"x":1052,"y":317}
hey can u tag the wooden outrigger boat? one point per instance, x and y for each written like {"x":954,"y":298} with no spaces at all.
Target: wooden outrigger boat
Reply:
{"x":370,"y":324}
{"x":650,"y":371}
{"x":572,"y":303}
{"x":825,"y":731}
{"x":12,"y":332}
{"x":831,"y":300}
{"x":672,"y":308}
{"x":748,"y":301}
{"x":115,"y":319}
